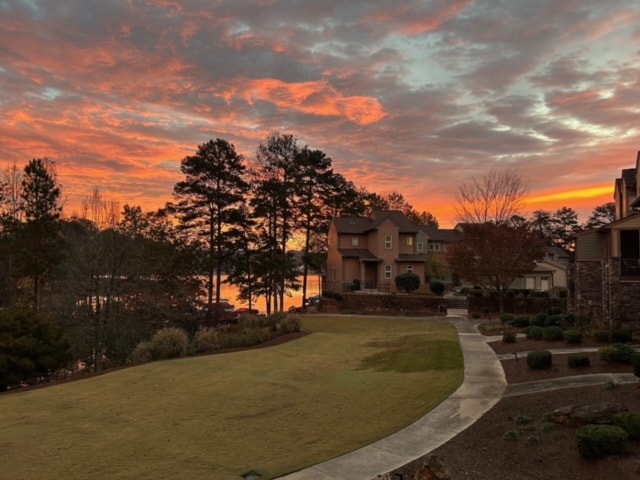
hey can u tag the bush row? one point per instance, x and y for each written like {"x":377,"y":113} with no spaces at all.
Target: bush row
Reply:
{"x":251,"y":330}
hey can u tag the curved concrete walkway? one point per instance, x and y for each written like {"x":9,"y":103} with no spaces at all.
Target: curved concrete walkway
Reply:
{"x":483,"y":386}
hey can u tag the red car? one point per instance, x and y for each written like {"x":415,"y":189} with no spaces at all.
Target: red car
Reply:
{"x":243,"y":311}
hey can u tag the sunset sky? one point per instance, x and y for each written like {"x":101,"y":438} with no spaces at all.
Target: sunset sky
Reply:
{"x":412,"y":96}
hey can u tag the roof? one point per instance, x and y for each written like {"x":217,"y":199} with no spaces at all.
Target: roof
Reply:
{"x":442,"y":235}
{"x":359,"y":225}
{"x":410,"y":257}
{"x":361,"y":254}
{"x":629,"y":177}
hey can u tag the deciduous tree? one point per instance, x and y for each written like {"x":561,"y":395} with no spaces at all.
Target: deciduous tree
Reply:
{"x":602,"y":215}
{"x":494,"y":255}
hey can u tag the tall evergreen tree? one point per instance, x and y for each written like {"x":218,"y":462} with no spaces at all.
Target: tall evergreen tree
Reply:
{"x":209,"y":208}
{"x":40,"y":243}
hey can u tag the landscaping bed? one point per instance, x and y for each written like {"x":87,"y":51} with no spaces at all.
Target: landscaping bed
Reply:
{"x":516,"y":439}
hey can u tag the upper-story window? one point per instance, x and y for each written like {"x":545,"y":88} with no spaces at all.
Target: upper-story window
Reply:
{"x":354,"y":241}
{"x":409,"y":241}
{"x":419,"y":247}
{"x":388,"y":242}
{"x":434,"y":246}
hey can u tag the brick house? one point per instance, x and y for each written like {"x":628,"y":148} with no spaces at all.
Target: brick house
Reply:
{"x":606,"y":280}
{"x":371,"y":252}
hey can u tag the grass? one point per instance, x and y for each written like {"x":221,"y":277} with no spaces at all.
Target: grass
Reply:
{"x":350,"y":382}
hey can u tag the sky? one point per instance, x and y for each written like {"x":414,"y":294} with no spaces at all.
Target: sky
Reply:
{"x":418,"y":97}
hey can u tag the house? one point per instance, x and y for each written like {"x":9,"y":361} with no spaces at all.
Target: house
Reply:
{"x":368,"y":253}
{"x":606,"y":280}
{"x":438,"y":241}
{"x":547,"y":275}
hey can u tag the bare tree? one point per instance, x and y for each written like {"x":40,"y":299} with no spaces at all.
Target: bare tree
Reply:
{"x":495,"y":198}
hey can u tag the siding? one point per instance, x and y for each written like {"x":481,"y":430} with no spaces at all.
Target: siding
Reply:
{"x":591,"y":246}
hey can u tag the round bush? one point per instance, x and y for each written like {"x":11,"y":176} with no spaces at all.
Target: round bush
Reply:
{"x":206,"y":340}
{"x":169,"y":343}
{"x":630,"y":423}
{"x":579,"y":360}
{"x":141,"y":354}
{"x":635,"y":361}
{"x":539,"y":359}
{"x":437,"y":288}
{"x":600,"y":441}
{"x":618,"y":353}
{"x":508,"y":337}
{"x":507,"y":318}
{"x":553,"y":333}
{"x":535,"y":333}
{"x":521,"y":321}
{"x":621,"y":335}
{"x":539,"y":320}
{"x":573,"y":336}
{"x":408,"y":282}
{"x":554,"y":320}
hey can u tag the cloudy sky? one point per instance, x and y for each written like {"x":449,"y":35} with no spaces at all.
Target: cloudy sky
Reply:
{"x":412,"y":96}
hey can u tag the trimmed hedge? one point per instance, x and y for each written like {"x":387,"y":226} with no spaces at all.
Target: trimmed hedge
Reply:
{"x":579,"y":360}
{"x":629,"y":422}
{"x":535,"y":333}
{"x":600,"y":441}
{"x":508,"y":337}
{"x":618,"y":353}
{"x":635,"y":361}
{"x":573,"y":336}
{"x":521,"y":321}
{"x":539,"y":359}
{"x":553,"y":333}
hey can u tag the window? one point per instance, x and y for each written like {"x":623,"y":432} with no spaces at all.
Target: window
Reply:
{"x":354,"y":241}
{"x":388,"y":272}
{"x":388,"y":244}
{"x":434,"y":247}
{"x":419,"y":247}
{"x":409,"y":268}
{"x":630,"y":252}
{"x":409,"y":241}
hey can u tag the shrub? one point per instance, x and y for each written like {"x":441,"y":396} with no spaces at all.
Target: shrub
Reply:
{"x":407,"y":282}
{"x":508,"y":337}
{"x":521,"y":321}
{"x":578,"y":360}
{"x":539,"y":359}
{"x":437,"y":288}
{"x":553,"y":333}
{"x":573,"y":336}
{"x":259,"y":321}
{"x":289,"y":324}
{"x":543,"y":294}
{"x":563,"y":293}
{"x":556,"y":311}
{"x":618,"y":353}
{"x":538,"y":320}
{"x":603,"y":336}
{"x":169,"y":343}
{"x":141,"y":354}
{"x":554,"y":320}
{"x":535,"y":333}
{"x":621,"y":335}
{"x":525,"y":292}
{"x":600,"y":441}
{"x":206,"y":340}
{"x":635,"y":361}
{"x":629,"y":422}
{"x":507,"y":318}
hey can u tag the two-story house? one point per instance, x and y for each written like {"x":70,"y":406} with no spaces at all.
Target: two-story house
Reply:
{"x":606,"y":280}
{"x":370,"y":252}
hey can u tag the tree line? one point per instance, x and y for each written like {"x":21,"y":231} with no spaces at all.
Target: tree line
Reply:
{"x":109,"y":277}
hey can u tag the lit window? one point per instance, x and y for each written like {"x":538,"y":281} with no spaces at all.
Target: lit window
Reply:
{"x":354,"y":241}
{"x":409,"y":268}
{"x":409,"y":241}
{"x":388,"y":271}
{"x":387,"y":242}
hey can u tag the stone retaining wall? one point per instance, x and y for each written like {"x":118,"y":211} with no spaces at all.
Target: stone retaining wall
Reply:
{"x":386,"y":304}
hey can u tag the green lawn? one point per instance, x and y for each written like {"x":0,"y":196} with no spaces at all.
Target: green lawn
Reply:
{"x":350,"y":382}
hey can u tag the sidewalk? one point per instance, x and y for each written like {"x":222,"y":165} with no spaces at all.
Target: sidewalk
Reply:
{"x":483,"y":386}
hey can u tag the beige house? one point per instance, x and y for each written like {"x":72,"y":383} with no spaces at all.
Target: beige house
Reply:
{"x":606,"y":281}
{"x":369,"y":253}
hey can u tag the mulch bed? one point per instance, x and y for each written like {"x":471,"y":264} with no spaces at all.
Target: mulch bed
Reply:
{"x":500,"y":445}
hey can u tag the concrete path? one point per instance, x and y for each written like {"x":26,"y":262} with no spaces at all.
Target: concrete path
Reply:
{"x":588,"y":380}
{"x":483,"y":386}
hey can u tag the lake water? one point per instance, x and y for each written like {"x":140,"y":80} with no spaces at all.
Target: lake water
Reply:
{"x":230,"y":292}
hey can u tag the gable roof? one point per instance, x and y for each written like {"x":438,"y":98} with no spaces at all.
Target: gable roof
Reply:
{"x":360,"y":225}
{"x":436,"y":234}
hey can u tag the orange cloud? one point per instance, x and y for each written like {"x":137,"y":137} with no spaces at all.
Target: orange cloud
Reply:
{"x":313,"y":98}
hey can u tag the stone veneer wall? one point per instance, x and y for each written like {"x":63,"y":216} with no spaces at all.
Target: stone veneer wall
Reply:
{"x":586,"y":290}
{"x":519,"y":305}
{"x":386,"y":304}
{"x":623,"y":296}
